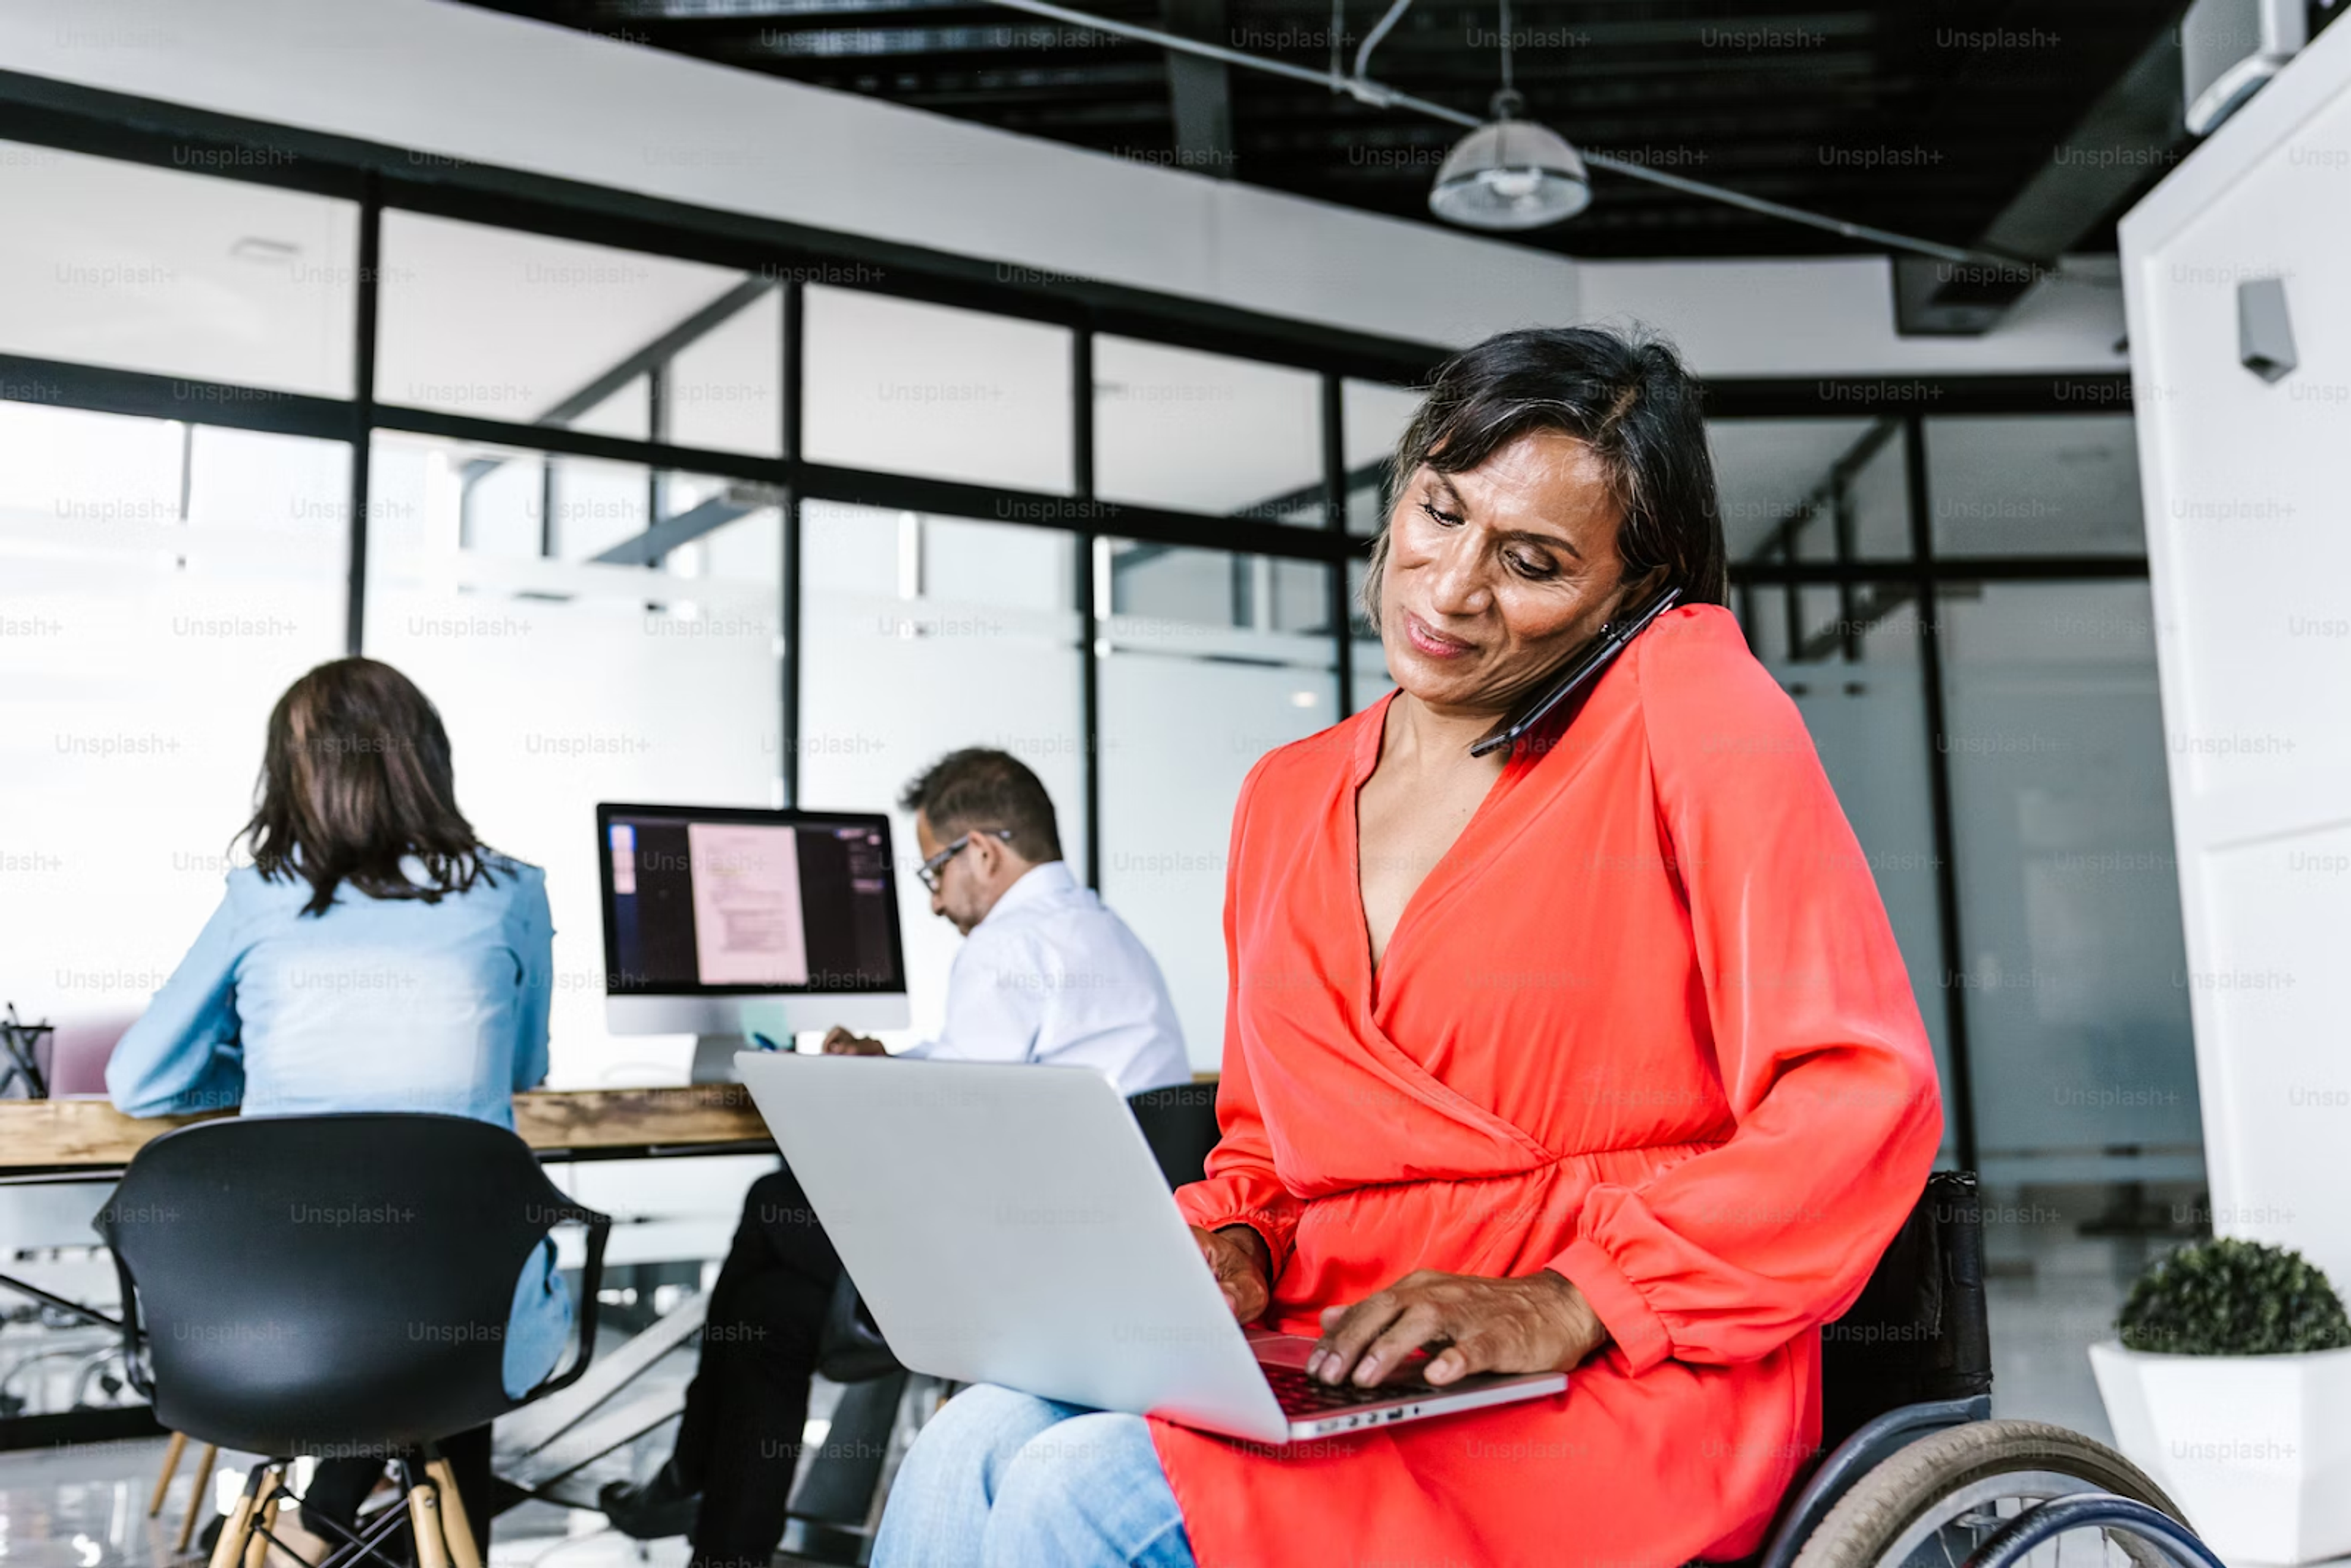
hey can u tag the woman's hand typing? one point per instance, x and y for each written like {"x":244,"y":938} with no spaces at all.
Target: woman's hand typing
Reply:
{"x":1539,"y":1323}
{"x":1236,"y":1255}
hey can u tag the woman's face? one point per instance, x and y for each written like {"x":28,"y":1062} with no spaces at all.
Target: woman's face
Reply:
{"x":1497,"y":574}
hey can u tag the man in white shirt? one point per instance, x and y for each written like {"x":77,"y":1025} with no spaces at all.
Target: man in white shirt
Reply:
{"x":1046,"y":975}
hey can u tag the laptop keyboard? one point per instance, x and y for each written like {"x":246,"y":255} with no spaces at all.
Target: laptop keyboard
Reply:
{"x":1303,"y":1396}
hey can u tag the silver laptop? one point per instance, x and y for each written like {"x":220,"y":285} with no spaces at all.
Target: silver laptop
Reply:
{"x":1008,"y":1224}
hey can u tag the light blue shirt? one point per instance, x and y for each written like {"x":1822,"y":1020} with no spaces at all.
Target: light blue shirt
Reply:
{"x":1050,"y":976}
{"x":380,"y":1004}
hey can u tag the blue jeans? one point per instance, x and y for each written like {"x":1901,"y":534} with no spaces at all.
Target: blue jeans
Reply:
{"x":538,"y":1324}
{"x":1000,"y":1479}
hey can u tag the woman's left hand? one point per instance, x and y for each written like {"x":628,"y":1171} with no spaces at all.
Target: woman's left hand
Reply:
{"x":1539,"y":1323}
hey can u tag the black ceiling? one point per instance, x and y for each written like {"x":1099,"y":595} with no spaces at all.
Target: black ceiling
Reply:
{"x":1920,"y":116}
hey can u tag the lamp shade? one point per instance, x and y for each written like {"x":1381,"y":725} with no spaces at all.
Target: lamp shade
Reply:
{"x":1510,"y":175}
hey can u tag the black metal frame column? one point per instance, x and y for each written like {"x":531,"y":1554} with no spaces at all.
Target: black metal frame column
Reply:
{"x":1791,"y":597}
{"x":787,"y":739}
{"x":362,"y":436}
{"x":1334,"y":519}
{"x":657,"y":409}
{"x":1962,"y":1110}
{"x":1090,"y":611}
{"x":1848,"y":594}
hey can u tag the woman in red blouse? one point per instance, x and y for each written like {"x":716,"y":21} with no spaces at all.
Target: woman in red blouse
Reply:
{"x":1593,"y":1054}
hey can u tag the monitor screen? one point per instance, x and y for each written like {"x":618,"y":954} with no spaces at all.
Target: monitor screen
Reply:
{"x":706,"y":900}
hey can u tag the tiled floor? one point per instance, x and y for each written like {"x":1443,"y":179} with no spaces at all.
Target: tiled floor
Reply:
{"x":2053,"y":1291}
{"x":84,"y":1505}
{"x":69,"y":1508}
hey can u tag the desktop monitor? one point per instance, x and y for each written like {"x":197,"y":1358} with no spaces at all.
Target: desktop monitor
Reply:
{"x":709,"y":912}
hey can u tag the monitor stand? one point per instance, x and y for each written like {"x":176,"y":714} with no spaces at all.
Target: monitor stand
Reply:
{"x":714,"y":1058}
{"x":782,"y":1018}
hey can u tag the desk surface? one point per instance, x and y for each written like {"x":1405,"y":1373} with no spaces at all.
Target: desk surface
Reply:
{"x":65,"y":1135}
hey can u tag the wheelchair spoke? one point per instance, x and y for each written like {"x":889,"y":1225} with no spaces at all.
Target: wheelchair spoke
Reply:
{"x":1949,"y":1534}
{"x":1958,"y":1540}
{"x":2137,"y":1553}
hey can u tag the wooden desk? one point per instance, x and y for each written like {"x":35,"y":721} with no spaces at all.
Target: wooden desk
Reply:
{"x":42,"y":1136}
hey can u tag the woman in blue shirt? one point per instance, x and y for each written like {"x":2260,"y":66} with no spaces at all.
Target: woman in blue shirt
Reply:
{"x":375,"y":956}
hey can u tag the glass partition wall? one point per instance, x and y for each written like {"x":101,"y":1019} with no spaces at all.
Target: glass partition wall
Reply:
{"x":669,"y":504}
{"x":1957,"y":605}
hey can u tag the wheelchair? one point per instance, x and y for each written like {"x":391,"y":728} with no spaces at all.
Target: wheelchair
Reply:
{"x":1916,"y":1473}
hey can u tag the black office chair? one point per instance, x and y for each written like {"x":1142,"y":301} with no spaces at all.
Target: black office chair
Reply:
{"x":336,"y":1286}
{"x":1179,"y":1122}
{"x":835,"y":1498}
{"x":1914,"y":1470}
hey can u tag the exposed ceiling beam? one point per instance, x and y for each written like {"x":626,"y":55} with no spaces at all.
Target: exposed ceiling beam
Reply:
{"x":2133,"y":130}
{"x":659,"y":351}
{"x":1811,"y":34}
{"x":752,"y":12}
{"x":1199,"y":91}
{"x":670,"y":533}
{"x":1823,"y":496}
{"x":647,"y":356}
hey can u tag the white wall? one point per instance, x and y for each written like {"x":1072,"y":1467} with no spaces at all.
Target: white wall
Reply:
{"x":471,"y":84}
{"x":2248,"y":491}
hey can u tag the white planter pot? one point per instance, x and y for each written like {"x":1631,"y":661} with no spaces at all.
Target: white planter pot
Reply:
{"x":2255,"y":1448}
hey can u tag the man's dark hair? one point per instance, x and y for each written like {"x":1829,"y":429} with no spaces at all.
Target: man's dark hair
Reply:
{"x":1626,"y":397}
{"x":977,"y":788}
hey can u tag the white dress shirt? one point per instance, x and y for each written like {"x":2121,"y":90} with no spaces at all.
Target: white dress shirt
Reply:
{"x":1049,"y":976}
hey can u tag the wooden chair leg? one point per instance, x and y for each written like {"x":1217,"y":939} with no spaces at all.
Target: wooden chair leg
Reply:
{"x":171,"y":1452}
{"x":256,"y":1546}
{"x":424,"y":1524}
{"x":455,"y":1523}
{"x":229,"y":1550}
{"x":199,"y":1495}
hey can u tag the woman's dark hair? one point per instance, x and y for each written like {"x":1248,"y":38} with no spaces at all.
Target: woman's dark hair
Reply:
{"x":1625,"y":397}
{"x":356,"y":778}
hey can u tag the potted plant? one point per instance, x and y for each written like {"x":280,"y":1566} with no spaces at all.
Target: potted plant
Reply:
{"x":2231,"y":1385}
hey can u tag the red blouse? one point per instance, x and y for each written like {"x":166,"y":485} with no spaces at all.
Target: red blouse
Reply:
{"x":1644,"y":1024}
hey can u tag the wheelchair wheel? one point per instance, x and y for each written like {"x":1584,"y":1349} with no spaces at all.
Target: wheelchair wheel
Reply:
{"x":1939,"y":1499}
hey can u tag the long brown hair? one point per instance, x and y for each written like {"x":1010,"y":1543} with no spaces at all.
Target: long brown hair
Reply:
{"x":356,"y":776}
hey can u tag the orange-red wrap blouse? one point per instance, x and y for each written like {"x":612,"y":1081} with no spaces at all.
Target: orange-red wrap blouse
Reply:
{"x":1645,"y":1025}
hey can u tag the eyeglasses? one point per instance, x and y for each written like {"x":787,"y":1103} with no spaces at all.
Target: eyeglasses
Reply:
{"x":930,"y":869}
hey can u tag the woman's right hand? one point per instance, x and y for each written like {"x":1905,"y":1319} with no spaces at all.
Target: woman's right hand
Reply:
{"x":1244,"y":1270}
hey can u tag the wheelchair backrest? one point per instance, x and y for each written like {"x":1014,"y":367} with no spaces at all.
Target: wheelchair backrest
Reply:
{"x":1917,"y":1330}
{"x":1179,"y":1122}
